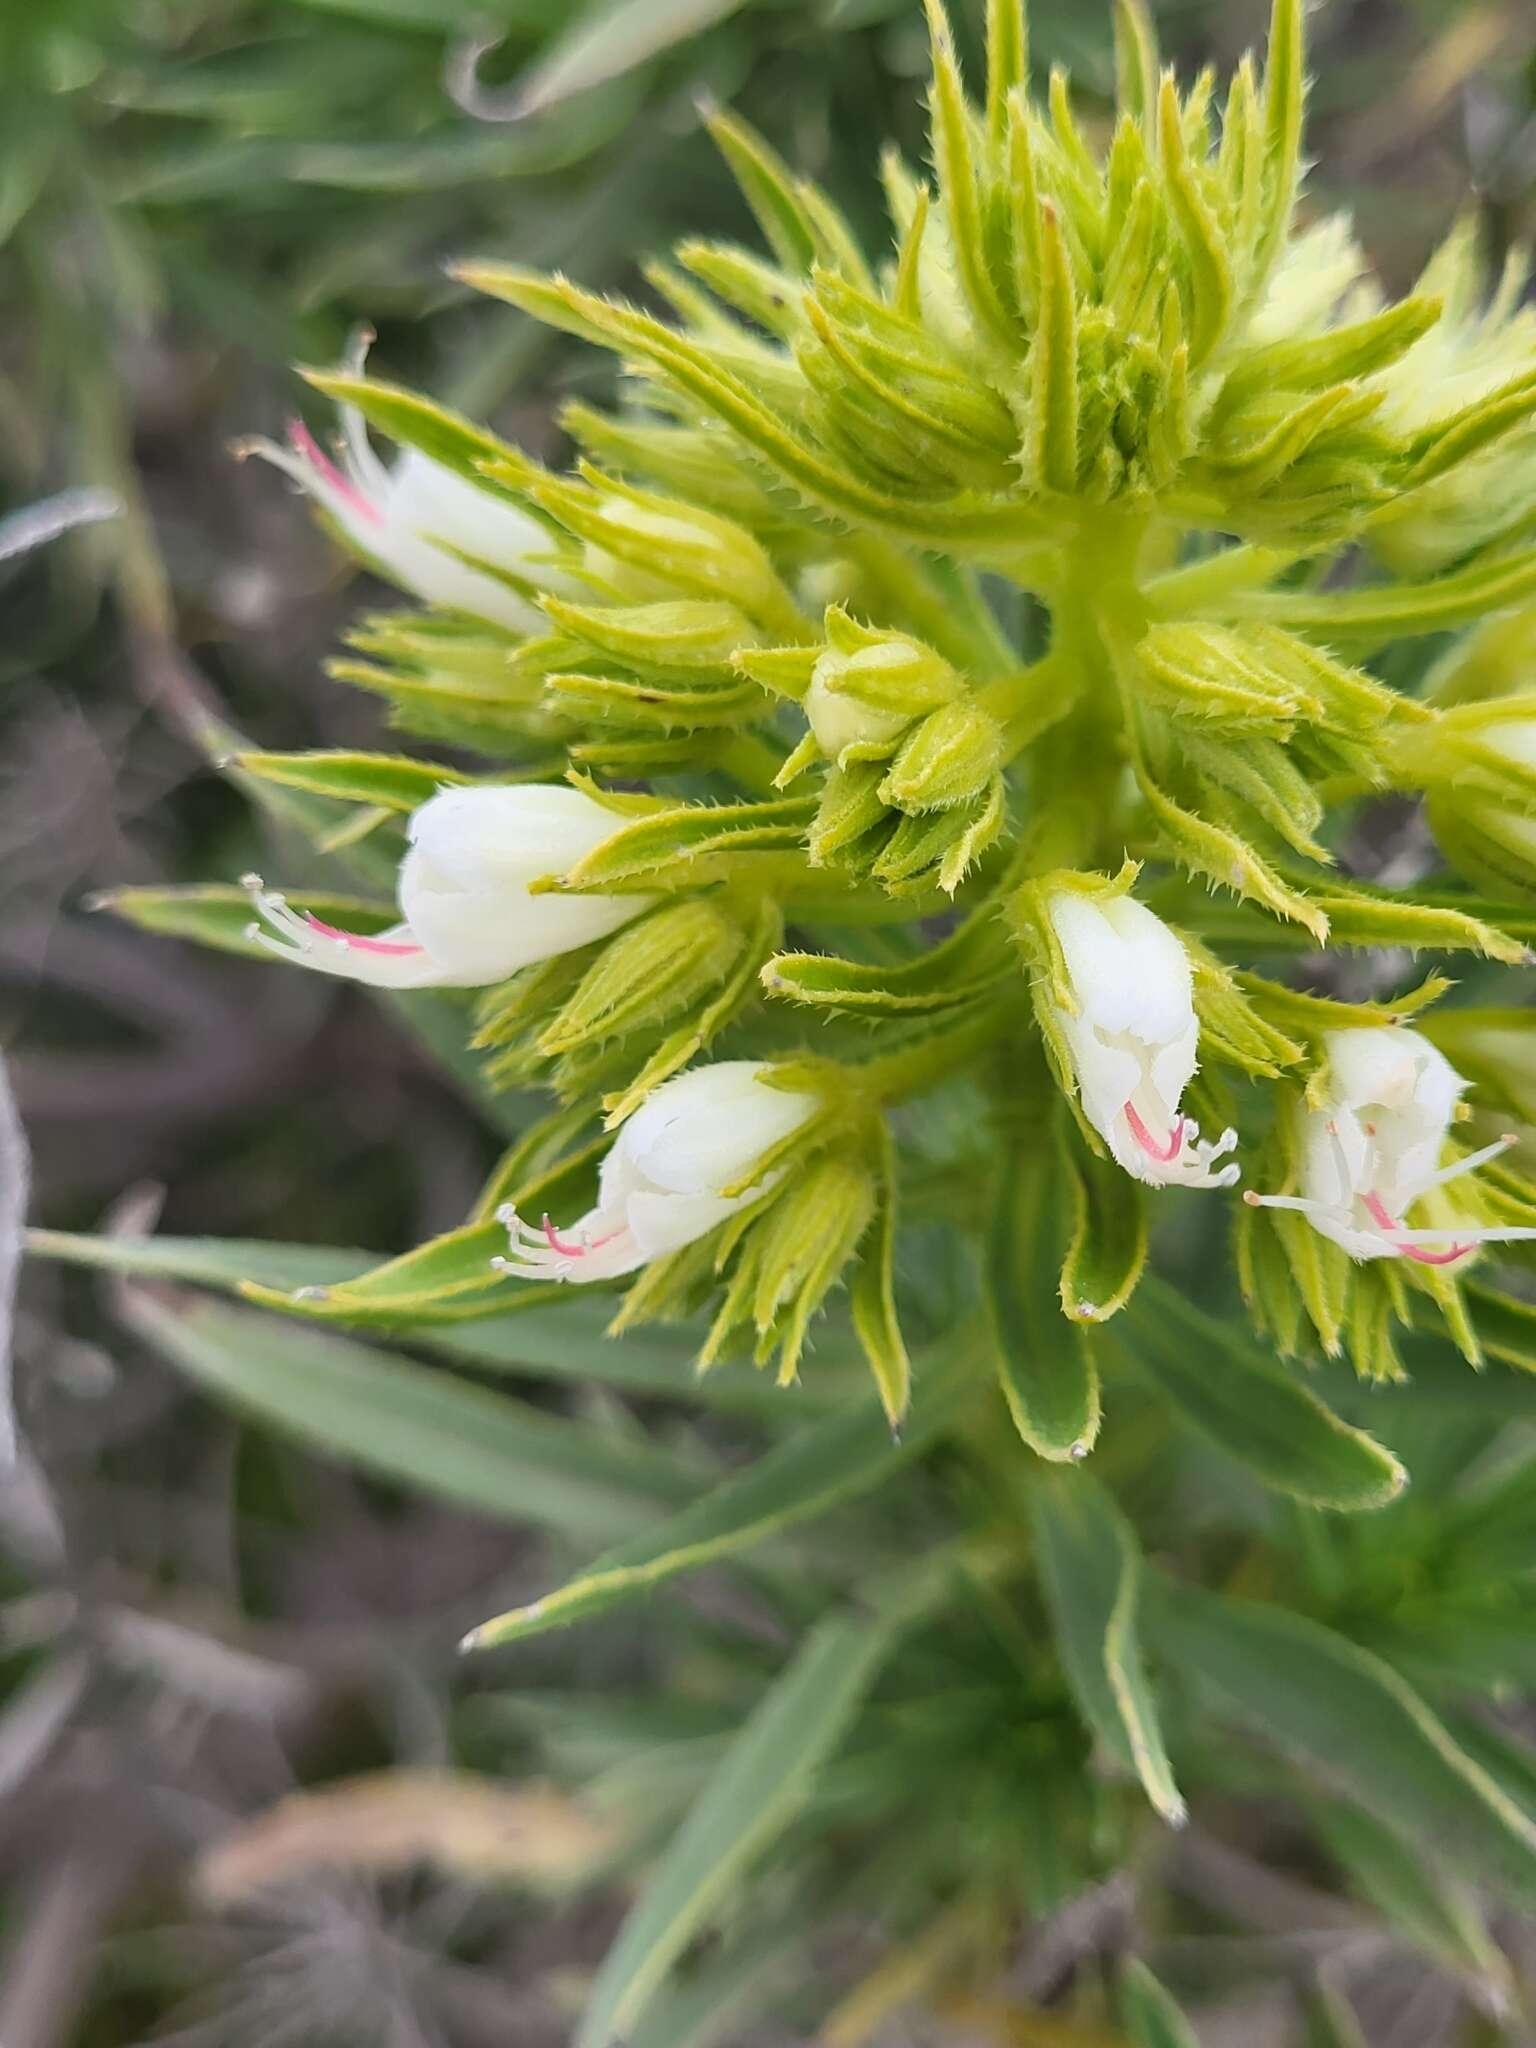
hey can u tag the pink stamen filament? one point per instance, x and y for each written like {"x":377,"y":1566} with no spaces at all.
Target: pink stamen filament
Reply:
{"x":359,"y":941}
{"x":305,"y":445}
{"x":1148,"y":1143}
{"x":1379,"y":1214}
{"x":571,"y":1250}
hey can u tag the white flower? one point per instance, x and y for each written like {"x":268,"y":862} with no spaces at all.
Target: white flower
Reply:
{"x":660,"y":1185}
{"x":414,"y":520}
{"x":1375,"y":1146}
{"x":1132,"y":1034}
{"x":467,"y":915}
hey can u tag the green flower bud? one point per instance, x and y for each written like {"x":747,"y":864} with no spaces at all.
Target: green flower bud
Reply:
{"x":1479,"y":766}
{"x":868,"y":686}
{"x":946,"y":760}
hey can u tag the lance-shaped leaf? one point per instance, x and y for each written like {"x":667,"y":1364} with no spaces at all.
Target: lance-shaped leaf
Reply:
{"x":654,"y":848}
{"x":1228,"y":860}
{"x":392,"y":782}
{"x":1360,"y":915}
{"x":1090,"y":1566}
{"x":1108,"y":1246}
{"x":1051,"y":445}
{"x":1210,"y":273}
{"x":413,"y":1425}
{"x":1136,"y":61}
{"x":873,"y":1294}
{"x":835,"y":1460}
{"x":762,"y":1783}
{"x":1226,"y":1387}
{"x":417,"y":422}
{"x":968,"y":519}
{"x":1352,"y":1721}
{"x":957,"y":183}
{"x":1150,"y":2015}
{"x":1043,"y":1362}
{"x":1435,"y":1911}
{"x":1284,"y":96}
{"x":1356,"y":349}
{"x":1366,"y":619}
{"x":446,"y":1278}
{"x":965,"y":965}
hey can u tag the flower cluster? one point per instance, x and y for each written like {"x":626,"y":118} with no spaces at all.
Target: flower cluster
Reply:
{"x":935,"y":663}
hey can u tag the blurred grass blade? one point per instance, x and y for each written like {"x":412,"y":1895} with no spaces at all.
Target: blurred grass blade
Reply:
{"x":599,"y":45}
{"x":221,"y":1262}
{"x":1435,"y":1912}
{"x":34,"y":525}
{"x":757,"y":1791}
{"x":1350,"y":1718}
{"x":1150,"y":2016}
{"x":1224,"y":1385}
{"x":412,"y":1425}
{"x":1090,"y":1564}
{"x":831,"y":1462}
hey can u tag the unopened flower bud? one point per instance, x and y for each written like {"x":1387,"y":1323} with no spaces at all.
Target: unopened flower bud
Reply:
{"x":948,"y":758}
{"x":1374,"y":1147}
{"x":675,"y":1170}
{"x":868,"y":686}
{"x":1482,"y":791}
{"x":1132,"y":1034}
{"x":468,"y":917}
{"x":655,"y":549}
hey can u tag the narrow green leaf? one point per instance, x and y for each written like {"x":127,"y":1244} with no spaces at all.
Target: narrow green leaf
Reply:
{"x":412,"y":1425}
{"x":1043,"y":1362}
{"x":1053,"y":392}
{"x":1090,"y":1567}
{"x":1210,"y":301}
{"x":1007,"y":63}
{"x":597,"y":47}
{"x":1136,"y":61}
{"x":394,"y":782}
{"x":1284,"y":94}
{"x":833,"y":1461}
{"x":222,"y":1262}
{"x":1225,"y":1386}
{"x":418,"y":422}
{"x":758,"y":1789}
{"x":1150,"y":2016}
{"x":768,"y":185}
{"x":1350,"y":1718}
{"x":1108,"y":1247}
{"x":1435,"y":1912}
{"x":873,"y":1297}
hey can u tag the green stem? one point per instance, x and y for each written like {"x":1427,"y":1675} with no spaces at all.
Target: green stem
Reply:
{"x":915,"y":1068}
{"x":1096,"y":602}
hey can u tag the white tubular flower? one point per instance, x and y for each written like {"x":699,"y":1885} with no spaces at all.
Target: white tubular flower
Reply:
{"x":1375,"y":1147}
{"x":1133,"y":1037}
{"x":409,"y":519}
{"x":660,"y":1185}
{"x":468,"y":918}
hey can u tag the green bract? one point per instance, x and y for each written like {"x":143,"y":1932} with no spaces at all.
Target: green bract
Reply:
{"x":962,"y":652}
